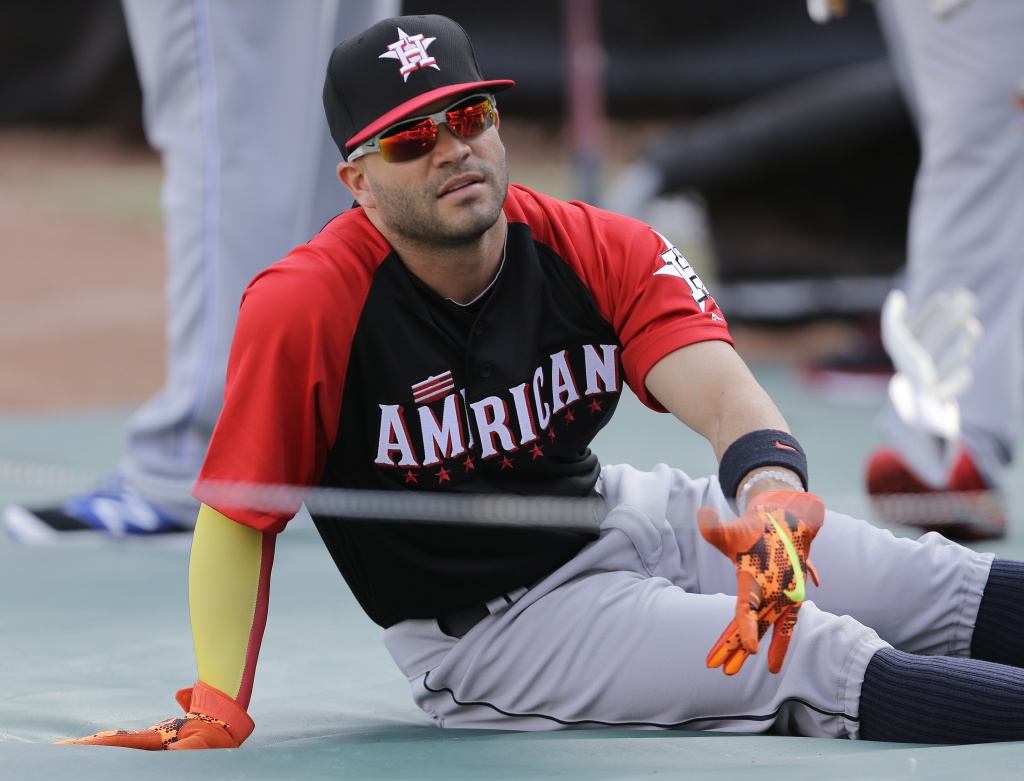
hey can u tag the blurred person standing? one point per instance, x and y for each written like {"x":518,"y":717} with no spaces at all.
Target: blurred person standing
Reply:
{"x":960,"y":64}
{"x":231,"y":102}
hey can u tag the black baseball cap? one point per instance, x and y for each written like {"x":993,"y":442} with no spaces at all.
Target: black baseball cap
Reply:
{"x":394,"y":69}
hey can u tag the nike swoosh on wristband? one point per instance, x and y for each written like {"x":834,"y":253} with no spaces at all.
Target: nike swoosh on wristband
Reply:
{"x":798,"y":593}
{"x":780,"y":446}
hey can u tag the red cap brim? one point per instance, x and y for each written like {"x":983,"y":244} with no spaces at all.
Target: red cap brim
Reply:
{"x":411,"y":107}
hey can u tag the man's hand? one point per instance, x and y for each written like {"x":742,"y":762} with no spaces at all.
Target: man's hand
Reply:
{"x":769,"y":544}
{"x":212,"y":720}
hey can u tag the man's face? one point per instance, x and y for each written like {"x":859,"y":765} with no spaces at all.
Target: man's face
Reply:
{"x":448,"y":197}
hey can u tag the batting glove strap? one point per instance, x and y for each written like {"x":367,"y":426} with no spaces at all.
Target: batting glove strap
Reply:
{"x":212,"y":720}
{"x":205,"y":700}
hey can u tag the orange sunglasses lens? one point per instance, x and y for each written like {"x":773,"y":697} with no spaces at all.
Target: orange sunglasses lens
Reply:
{"x":416,"y":140}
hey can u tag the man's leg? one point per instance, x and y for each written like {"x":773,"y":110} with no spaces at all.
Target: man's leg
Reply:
{"x":619,"y":637}
{"x":967,"y":216}
{"x":232,"y":100}
{"x":610,"y":641}
{"x":250,"y":173}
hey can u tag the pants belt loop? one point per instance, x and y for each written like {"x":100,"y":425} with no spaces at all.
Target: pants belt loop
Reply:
{"x":498,"y":604}
{"x":458,"y":624}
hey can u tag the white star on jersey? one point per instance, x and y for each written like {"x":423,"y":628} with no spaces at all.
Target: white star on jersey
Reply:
{"x":678,"y":266}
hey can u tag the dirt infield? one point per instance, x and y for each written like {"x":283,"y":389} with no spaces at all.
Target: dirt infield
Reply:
{"x":82,"y":266}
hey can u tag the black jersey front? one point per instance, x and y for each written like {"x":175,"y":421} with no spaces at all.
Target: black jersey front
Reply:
{"x":348,"y":372}
{"x":502,"y":397}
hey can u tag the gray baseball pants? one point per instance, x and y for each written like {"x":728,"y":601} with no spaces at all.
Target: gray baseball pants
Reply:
{"x":232,"y":97}
{"x":618,"y":636}
{"x":958,"y":71}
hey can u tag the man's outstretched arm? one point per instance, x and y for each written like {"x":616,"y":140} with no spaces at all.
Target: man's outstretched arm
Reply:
{"x":763,"y":471}
{"x":709,"y":388}
{"x":229,"y":585}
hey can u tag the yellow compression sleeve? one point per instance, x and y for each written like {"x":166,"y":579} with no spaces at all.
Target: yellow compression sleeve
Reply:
{"x":228,"y":586}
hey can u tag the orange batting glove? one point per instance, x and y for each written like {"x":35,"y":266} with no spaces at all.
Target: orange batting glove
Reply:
{"x":212,"y":720}
{"x":769,"y":544}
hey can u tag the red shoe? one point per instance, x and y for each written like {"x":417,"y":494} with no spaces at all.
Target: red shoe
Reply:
{"x":964,"y":509}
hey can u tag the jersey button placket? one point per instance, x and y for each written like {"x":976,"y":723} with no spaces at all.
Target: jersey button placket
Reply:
{"x":485,"y":369}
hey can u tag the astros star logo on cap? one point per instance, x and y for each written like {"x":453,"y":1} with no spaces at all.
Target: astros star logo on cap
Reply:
{"x":411,"y":51}
{"x":362,"y":97}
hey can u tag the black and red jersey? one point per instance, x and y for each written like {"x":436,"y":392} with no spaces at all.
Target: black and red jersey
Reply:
{"x":347,"y":371}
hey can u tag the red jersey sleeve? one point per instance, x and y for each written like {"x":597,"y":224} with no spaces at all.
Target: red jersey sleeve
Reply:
{"x":641,"y":283}
{"x":285,"y":376}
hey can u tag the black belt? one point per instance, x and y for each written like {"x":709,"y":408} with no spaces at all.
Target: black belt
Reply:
{"x":457,"y":624}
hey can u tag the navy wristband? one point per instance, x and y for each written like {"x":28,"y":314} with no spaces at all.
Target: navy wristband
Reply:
{"x":766,"y":447}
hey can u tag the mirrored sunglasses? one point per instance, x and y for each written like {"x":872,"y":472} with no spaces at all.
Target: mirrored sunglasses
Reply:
{"x":412,"y":138}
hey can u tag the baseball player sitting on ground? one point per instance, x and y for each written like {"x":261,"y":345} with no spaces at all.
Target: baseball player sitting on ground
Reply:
{"x":455,"y":334}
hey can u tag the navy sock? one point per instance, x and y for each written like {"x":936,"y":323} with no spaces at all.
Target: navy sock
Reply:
{"x":999,"y":627}
{"x":940,"y":699}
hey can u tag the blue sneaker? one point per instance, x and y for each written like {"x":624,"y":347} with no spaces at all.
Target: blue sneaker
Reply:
{"x":100,"y":518}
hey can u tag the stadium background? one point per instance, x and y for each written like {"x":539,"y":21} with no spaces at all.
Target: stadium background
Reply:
{"x":722,"y":93}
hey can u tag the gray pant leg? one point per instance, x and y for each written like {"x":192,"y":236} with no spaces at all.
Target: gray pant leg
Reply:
{"x":967,"y":216}
{"x":607,"y":643}
{"x":920,"y":596}
{"x":619,"y":636}
{"x":232,"y":101}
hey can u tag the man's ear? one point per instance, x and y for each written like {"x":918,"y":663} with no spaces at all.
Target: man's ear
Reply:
{"x":354,"y":178}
